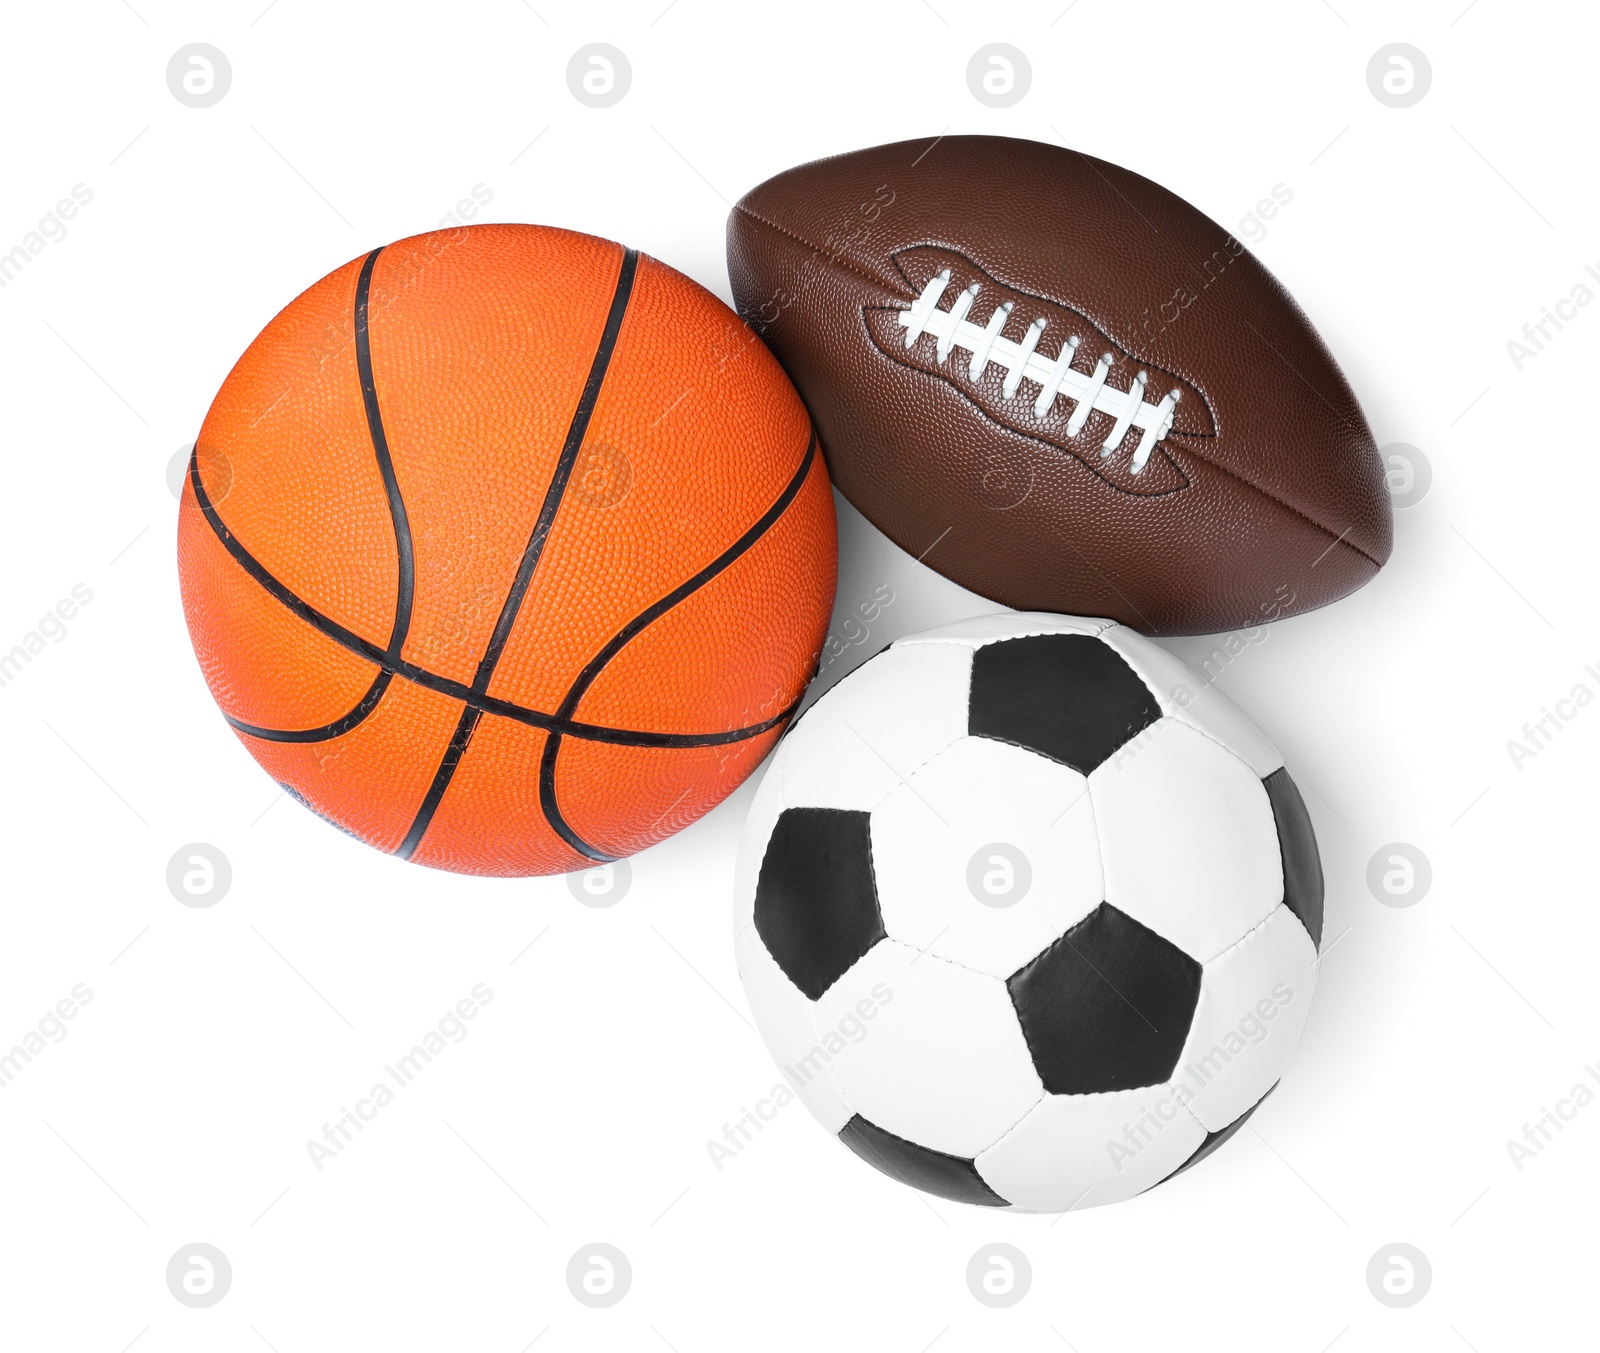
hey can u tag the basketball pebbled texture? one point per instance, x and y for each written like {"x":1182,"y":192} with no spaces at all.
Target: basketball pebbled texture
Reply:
{"x":507,"y":549}
{"x":1264,"y":497}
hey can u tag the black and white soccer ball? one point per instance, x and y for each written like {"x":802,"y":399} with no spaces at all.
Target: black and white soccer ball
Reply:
{"x":1027,"y":913}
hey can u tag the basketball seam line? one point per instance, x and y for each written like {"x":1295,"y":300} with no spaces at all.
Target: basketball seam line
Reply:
{"x":432,"y":681}
{"x":466,"y":725}
{"x":405,"y":585}
{"x":577,"y":430}
{"x":689,"y":586}
{"x":442,"y":685}
{"x":405,"y":582}
{"x":558,"y":484}
{"x":596,"y":665}
{"x":338,"y":728}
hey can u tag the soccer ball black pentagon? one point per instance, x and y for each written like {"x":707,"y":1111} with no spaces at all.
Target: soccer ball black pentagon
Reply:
{"x":1027,"y":913}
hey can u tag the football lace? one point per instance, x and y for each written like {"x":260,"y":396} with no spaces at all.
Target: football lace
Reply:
{"x":1022,"y":361}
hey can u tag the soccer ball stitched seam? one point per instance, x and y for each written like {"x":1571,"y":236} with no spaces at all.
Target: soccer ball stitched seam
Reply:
{"x":811,"y":1014}
{"x":904,"y":776}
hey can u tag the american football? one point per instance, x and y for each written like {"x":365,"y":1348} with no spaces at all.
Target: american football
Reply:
{"x":1061,"y":385}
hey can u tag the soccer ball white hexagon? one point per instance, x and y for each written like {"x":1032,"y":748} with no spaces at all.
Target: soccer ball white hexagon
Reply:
{"x":1028,"y":913}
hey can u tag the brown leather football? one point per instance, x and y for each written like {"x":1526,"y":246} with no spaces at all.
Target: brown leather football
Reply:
{"x":1061,"y":385}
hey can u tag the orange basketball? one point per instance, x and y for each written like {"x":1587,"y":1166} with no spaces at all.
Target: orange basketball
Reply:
{"x":507,"y":549}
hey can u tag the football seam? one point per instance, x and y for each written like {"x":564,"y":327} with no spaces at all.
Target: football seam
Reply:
{"x":1087,"y":319}
{"x":832,"y":259}
{"x":991,"y":419}
{"x":1237,"y":478}
{"x":838,"y":261}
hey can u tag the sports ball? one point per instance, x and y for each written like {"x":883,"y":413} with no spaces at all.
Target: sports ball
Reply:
{"x":1027,"y":914}
{"x":1062,"y":386}
{"x":507,"y":549}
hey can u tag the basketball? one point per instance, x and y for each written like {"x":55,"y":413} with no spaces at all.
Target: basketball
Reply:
{"x":507,"y":550}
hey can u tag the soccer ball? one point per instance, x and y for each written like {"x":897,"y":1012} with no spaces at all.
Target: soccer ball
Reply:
{"x":1028,"y":913}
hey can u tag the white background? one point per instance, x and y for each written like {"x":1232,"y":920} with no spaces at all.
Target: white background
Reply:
{"x":218,"y":1041}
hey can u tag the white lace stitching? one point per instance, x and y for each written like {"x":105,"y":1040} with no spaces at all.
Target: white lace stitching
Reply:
{"x":1054,"y":376}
